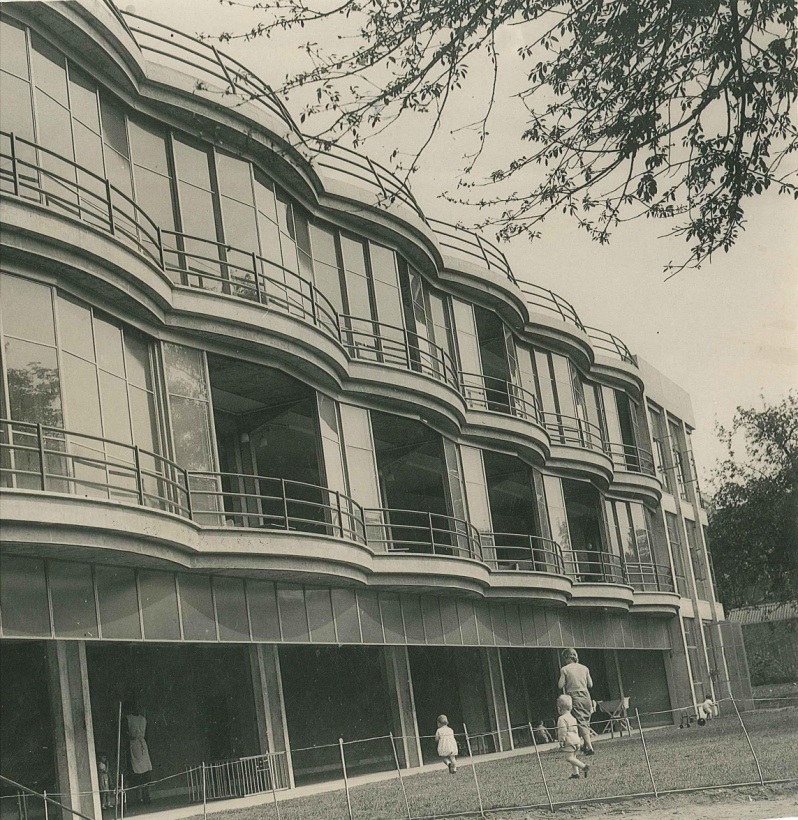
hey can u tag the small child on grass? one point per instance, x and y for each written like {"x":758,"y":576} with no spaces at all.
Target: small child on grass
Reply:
{"x":568,"y":735}
{"x":447,"y":744}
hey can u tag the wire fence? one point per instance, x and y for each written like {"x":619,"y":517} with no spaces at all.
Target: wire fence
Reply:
{"x":636,"y":755}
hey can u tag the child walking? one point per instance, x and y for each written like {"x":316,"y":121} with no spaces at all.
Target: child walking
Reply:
{"x":447,"y":743}
{"x":568,"y":735}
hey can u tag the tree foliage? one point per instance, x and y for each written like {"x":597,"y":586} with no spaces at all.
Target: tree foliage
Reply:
{"x":678,"y":110}
{"x":753,"y":519}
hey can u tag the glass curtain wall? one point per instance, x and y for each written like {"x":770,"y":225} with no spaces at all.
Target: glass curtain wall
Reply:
{"x":67,"y":365}
{"x":591,"y":561}
{"x":659,"y":433}
{"x":677,"y":551}
{"x":631,"y":536}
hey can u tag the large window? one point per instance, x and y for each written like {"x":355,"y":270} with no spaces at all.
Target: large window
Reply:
{"x":677,"y":551}
{"x":67,"y":365}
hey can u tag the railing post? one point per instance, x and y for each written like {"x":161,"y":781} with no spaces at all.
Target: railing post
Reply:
{"x":285,"y":502}
{"x":257,"y":278}
{"x":42,"y":456}
{"x":431,"y":533}
{"x":189,"y":505}
{"x":161,"y":258}
{"x":139,"y":479}
{"x":14,"y":165}
{"x":110,"y":204}
{"x":340,"y":513}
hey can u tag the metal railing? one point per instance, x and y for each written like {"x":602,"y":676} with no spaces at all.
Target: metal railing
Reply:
{"x":573,"y":431}
{"x":649,"y":577}
{"x":471,"y":247}
{"x":499,"y":396}
{"x":371,"y":341}
{"x":253,"y":501}
{"x":608,"y":343}
{"x":51,"y":459}
{"x":515,"y":552}
{"x":542,"y":299}
{"x":177,"y":49}
{"x":239,"y":777}
{"x":631,"y":458}
{"x":415,"y":531}
{"x":594,"y":567}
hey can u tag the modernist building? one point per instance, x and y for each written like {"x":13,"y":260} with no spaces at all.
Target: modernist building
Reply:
{"x":284,"y":458}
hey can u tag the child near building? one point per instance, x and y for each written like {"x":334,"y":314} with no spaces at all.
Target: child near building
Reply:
{"x":706,"y":711}
{"x":105,"y":782}
{"x":447,"y":743}
{"x":568,"y":735}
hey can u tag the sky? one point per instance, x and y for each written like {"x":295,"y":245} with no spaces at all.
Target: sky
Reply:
{"x":727,"y":333}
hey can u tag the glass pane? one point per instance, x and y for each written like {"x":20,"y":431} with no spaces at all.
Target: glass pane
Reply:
{"x":33,"y":384}
{"x":13,"y":52}
{"x":27,"y":310}
{"x":114,"y":127}
{"x":110,"y":355}
{"x":264,"y":196}
{"x":72,"y":591}
{"x":234,"y":178}
{"x":116,"y":414}
{"x":74,"y":328}
{"x":137,"y":359}
{"x":196,"y":603}
{"x":159,"y":605}
{"x":328,"y":281}
{"x":83,"y":99}
{"x":196,"y":209}
{"x":285,"y":215}
{"x":185,"y":371}
{"x":55,"y":131}
{"x":16,"y":112}
{"x":145,"y":419}
{"x":49,"y":69}
{"x":148,"y":147}
{"x":154,"y":196}
{"x":231,"y":608}
{"x":118,"y":602}
{"x":24,"y":593}
{"x":117,"y":168}
{"x":240,"y":230}
{"x":81,"y":396}
{"x":323,"y":245}
{"x":191,"y":433}
{"x":191,"y":164}
{"x":89,"y":154}
{"x":269,"y":239}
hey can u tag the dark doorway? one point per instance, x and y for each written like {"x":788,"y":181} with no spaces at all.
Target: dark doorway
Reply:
{"x":27,"y":753}
{"x":198,"y":701}
{"x":332,"y":693}
{"x":530,"y":680}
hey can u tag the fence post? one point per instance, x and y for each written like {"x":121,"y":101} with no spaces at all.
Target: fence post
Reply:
{"x":204,"y":793}
{"x":399,"y":772}
{"x":645,"y":752}
{"x":274,"y":785}
{"x":346,"y":779}
{"x":540,"y":763}
{"x":474,"y":770}
{"x":123,"y":796}
{"x":46,"y":810}
{"x":750,"y":745}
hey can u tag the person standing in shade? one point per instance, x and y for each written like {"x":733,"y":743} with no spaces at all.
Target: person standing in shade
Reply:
{"x":575,"y":681}
{"x":140,"y":762}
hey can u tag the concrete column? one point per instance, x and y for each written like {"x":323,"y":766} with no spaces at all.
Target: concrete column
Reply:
{"x":75,"y":759}
{"x":677,"y":671}
{"x":403,"y":706}
{"x":267,"y":686}
{"x":498,"y":710}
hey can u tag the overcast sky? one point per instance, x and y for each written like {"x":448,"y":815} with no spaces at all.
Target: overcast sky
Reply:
{"x":727,"y":333}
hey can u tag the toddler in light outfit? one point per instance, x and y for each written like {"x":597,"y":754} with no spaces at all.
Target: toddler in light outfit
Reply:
{"x":568,"y":735}
{"x":447,"y":744}
{"x":706,"y":710}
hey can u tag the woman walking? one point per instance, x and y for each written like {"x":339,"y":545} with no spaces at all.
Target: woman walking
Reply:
{"x":575,"y":681}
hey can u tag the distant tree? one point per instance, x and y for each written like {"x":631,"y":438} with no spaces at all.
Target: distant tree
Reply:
{"x":671,"y":109}
{"x":753,"y":516}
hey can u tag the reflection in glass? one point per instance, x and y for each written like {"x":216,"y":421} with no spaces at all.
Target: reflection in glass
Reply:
{"x":33,"y":384}
{"x":27,"y":310}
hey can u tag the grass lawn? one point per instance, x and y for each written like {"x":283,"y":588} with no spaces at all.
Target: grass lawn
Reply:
{"x":714,"y":755}
{"x":777,"y":690}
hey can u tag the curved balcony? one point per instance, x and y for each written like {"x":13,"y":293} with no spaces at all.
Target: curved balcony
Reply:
{"x":594,"y":567}
{"x":370,"y":341}
{"x":631,"y":459}
{"x":573,"y":432}
{"x":417,"y":532}
{"x":471,"y":247}
{"x":493,"y":395}
{"x":540,"y":299}
{"x":649,"y":577}
{"x":608,"y":344}
{"x":514,"y":552}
